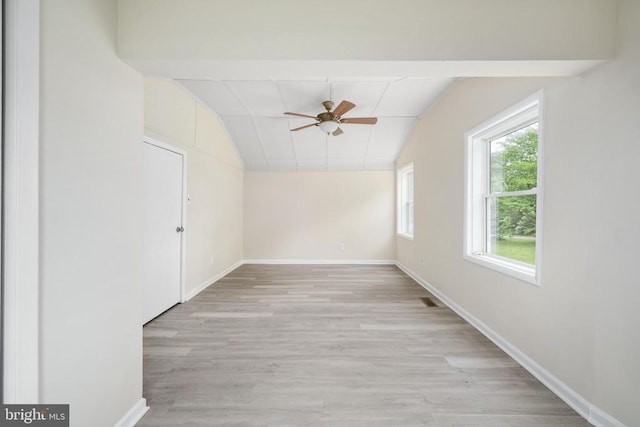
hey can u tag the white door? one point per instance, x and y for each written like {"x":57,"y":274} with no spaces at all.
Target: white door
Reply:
{"x":162,"y":185}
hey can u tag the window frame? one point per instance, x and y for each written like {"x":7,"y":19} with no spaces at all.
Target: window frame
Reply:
{"x":478,"y":188}
{"x":404,"y":205}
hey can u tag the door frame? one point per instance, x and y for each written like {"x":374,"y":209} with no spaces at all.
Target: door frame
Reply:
{"x":183,"y":238}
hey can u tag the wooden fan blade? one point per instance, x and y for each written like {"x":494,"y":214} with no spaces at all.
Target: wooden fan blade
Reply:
{"x":337,"y":132}
{"x":305,"y":126}
{"x":343,"y":108}
{"x":360,"y":120}
{"x":302,"y":115}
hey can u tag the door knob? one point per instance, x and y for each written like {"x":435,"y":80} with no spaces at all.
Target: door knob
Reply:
{"x":179,"y":229}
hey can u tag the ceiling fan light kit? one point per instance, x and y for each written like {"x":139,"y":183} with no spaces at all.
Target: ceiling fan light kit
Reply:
{"x":329,"y":122}
{"x":328,"y":126}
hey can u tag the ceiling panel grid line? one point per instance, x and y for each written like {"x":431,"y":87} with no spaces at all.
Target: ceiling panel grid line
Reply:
{"x":366,"y":151}
{"x":261,"y":142}
{"x":293,"y":146}
{"x":253,"y":122}
{"x":386,"y":88}
{"x":375,"y":109}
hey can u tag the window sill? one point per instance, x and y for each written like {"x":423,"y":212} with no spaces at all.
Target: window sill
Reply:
{"x":405,"y":236}
{"x":519,"y":271}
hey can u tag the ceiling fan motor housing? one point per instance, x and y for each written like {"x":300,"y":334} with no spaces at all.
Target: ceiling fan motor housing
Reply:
{"x":323,"y":117}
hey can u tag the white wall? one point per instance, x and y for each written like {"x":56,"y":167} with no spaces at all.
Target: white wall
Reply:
{"x":214,"y":179}
{"x":306,"y":215}
{"x":582,"y":323}
{"x":90,"y":241}
{"x":20,"y":201}
{"x":437,"y":30}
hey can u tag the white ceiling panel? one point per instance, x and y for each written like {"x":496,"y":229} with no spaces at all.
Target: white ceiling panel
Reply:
{"x":353,"y":163}
{"x":244,"y":136}
{"x":276,"y":137}
{"x":365,"y":95}
{"x":312,"y":164}
{"x":410,"y":97}
{"x":260,"y":97}
{"x":352,"y":143}
{"x":389,"y":136}
{"x":304,"y":97}
{"x":308,"y":143}
{"x":216,"y":95}
{"x":252,"y":111}
{"x":283,"y":164}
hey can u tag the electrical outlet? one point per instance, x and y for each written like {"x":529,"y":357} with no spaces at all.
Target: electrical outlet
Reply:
{"x":422,"y":260}
{"x":211,"y":259}
{"x":341,"y":246}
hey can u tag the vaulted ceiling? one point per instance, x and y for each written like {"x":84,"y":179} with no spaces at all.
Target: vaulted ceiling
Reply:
{"x":251,"y":60}
{"x":252,"y":112}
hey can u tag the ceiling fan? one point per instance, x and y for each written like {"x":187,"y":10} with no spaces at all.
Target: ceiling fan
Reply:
{"x":330,"y":121}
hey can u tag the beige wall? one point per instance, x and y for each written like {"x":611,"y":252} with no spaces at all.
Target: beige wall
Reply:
{"x":582,"y":323}
{"x":214,"y":179}
{"x":307,"y":215}
{"x":90,"y":241}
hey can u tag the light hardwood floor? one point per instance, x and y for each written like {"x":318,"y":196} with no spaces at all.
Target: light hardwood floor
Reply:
{"x":304,"y":345}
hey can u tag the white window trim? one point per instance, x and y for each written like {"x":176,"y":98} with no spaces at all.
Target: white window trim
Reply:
{"x":503,"y":122}
{"x":399,"y":191}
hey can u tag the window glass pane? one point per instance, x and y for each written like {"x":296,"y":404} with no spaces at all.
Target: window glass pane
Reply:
{"x":511,"y":228}
{"x":409,"y":218}
{"x":514,"y":160}
{"x":406,"y":226}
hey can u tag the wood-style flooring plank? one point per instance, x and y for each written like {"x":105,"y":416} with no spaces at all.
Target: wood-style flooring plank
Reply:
{"x":334,"y":345}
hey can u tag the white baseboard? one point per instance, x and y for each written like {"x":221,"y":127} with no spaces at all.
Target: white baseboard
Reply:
{"x":582,"y":406}
{"x":599,"y":418}
{"x":134,"y":414}
{"x":192,"y":293}
{"x":322,"y":261}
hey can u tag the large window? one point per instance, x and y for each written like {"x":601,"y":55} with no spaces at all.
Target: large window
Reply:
{"x":503,"y":225}
{"x":405,"y":201}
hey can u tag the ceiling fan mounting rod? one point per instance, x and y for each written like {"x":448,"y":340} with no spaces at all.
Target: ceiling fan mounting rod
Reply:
{"x":328,"y":105}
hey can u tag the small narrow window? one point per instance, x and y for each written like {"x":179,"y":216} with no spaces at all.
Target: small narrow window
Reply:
{"x":503,"y":225}
{"x":405,"y":201}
